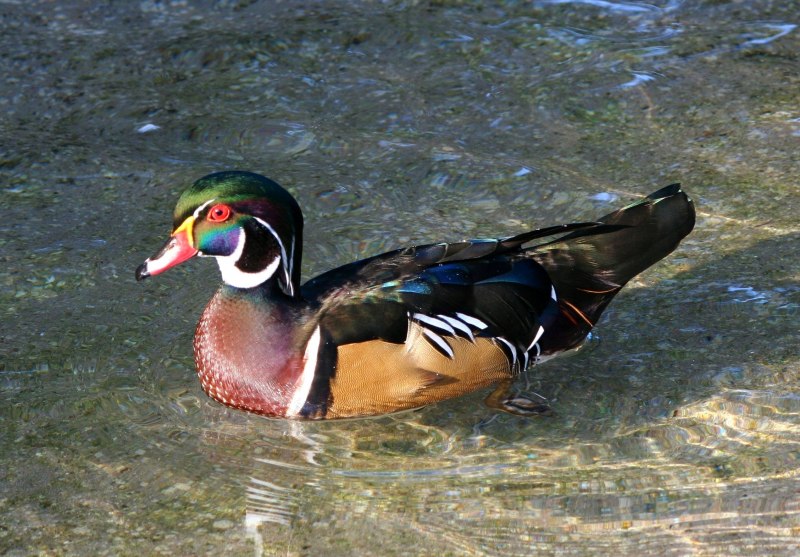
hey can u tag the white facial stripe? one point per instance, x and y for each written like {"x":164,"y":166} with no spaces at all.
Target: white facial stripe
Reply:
{"x":199,"y":210}
{"x":303,"y":384}
{"x":553,"y":293}
{"x":287,"y":262}
{"x":291,"y":267}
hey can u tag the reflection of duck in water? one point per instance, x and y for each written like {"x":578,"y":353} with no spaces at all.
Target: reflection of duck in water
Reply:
{"x":405,"y":328}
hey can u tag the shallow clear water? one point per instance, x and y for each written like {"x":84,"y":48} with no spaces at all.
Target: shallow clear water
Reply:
{"x":677,"y":427}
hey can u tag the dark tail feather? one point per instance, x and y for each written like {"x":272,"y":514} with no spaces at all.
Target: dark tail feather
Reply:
{"x":589,"y":267}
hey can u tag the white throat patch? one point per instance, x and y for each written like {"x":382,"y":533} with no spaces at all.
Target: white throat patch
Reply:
{"x":234,"y":276}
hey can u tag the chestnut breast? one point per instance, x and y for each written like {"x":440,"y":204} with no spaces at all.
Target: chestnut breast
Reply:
{"x":247,"y":353}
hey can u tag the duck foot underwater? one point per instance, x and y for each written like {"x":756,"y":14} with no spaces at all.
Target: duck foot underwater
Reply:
{"x":401,"y":329}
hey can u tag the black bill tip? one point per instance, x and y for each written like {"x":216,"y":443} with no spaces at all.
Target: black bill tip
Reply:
{"x":142,"y":272}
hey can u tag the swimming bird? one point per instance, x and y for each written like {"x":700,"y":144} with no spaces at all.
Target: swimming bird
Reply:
{"x":405,"y":328}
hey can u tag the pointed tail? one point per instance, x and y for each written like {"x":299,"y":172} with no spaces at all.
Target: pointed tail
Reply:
{"x":589,"y":266}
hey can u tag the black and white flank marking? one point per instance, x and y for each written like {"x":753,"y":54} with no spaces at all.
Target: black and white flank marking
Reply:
{"x":437,"y":328}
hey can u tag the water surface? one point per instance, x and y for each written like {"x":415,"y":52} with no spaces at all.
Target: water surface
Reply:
{"x":677,"y":427}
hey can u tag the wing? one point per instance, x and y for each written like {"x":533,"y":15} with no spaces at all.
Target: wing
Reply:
{"x":446,"y":330}
{"x":403,"y":263}
{"x":413,"y":326}
{"x":590,"y":266}
{"x":472,"y":289}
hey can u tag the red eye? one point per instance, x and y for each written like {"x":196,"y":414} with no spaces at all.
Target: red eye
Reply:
{"x":219,"y":213}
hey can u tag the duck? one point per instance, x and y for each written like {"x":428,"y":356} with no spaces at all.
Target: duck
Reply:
{"x":402,"y":329}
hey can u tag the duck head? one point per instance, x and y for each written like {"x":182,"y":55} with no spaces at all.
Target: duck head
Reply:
{"x":250,"y":224}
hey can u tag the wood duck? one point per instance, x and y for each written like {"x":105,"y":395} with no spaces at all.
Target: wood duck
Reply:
{"x":405,"y":328}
